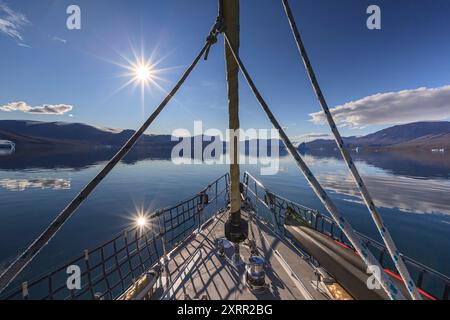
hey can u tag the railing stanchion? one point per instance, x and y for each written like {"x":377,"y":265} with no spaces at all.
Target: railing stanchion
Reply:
{"x":88,"y":271}
{"x":216,"y":197}
{"x":108,"y":285}
{"x":163,"y":238}
{"x":127,"y":250}
{"x":257,"y":198}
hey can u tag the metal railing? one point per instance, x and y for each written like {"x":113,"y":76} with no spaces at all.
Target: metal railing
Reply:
{"x":274,"y":209}
{"x":108,"y":270}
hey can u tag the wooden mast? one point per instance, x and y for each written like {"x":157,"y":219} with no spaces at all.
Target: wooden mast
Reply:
{"x":236,"y":228}
{"x":231,"y":17}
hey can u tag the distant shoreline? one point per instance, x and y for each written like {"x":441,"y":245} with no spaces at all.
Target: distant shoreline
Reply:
{"x":413,"y":137}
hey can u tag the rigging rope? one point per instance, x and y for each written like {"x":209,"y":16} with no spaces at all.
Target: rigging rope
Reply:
{"x":27,"y":256}
{"x":364,"y":252}
{"x":385,"y":234}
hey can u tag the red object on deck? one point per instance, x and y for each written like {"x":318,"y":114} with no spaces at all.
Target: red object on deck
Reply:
{"x":389,"y":272}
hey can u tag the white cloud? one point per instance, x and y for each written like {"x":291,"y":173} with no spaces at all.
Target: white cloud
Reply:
{"x":23,"y":45}
{"x":57,"y":109}
{"x":422,"y":104}
{"x":59,"y":39}
{"x":12,"y":22}
{"x":310,"y":137}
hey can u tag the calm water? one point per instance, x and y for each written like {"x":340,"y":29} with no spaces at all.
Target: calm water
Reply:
{"x":412,"y":192}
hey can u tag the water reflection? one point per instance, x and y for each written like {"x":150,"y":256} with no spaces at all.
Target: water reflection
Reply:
{"x":419,"y":165}
{"x":40,"y":183}
{"x":395,"y":192}
{"x":73,"y":158}
{"x":412,"y":183}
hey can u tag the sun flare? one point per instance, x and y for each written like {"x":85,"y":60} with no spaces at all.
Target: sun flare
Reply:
{"x":142,"y":73}
{"x":141,"y":222}
{"x":140,"y":219}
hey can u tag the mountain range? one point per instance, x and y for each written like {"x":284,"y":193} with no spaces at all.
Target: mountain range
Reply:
{"x":52,"y":134}
{"x":29,"y":134}
{"x":417,"y":135}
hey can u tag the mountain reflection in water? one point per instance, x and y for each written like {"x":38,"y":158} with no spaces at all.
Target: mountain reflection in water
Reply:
{"x":418,"y":165}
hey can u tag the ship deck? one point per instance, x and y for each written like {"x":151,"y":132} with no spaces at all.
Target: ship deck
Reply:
{"x":196,"y":270}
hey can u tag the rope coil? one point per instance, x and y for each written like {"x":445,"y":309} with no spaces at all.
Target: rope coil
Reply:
{"x":218,"y":28}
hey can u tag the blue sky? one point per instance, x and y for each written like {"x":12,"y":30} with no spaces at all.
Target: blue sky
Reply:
{"x":44,"y":63}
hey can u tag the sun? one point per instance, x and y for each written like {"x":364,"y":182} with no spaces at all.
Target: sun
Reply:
{"x":142,"y":72}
